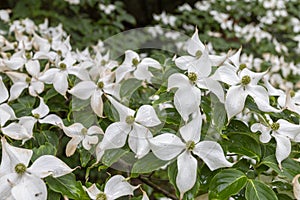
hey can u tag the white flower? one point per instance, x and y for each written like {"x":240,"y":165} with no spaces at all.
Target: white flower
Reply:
{"x":89,"y":89}
{"x":169,"y":146}
{"x":79,"y":133}
{"x":22,"y":81}
{"x":18,"y":181}
{"x":135,"y":126}
{"x":283,"y":131}
{"x":133,"y":63}
{"x":199,"y":64}
{"x":187,"y":97}
{"x":23,"y":129}
{"x":116,"y":187}
{"x":243,"y":83}
{"x":59,"y":76}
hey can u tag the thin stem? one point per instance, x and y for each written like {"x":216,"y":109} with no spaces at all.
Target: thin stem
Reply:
{"x":158,"y":188}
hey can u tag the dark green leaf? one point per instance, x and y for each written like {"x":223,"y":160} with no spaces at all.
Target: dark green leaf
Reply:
{"x":129,"y":86}
{"x":257,"y":190}
{"x":148,"y":164}
{"x":68,"y":186}
{"x":226,"y":183}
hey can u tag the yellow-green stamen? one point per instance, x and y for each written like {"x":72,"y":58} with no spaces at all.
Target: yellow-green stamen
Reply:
{"x":275,"y":126}
{"x":20,"y":168}
{"x":129,"y":119}
{"x":246,"y":80}
{"x":190,"y":145}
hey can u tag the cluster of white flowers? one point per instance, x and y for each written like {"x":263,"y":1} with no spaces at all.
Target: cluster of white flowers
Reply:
{"x":42,"y":56}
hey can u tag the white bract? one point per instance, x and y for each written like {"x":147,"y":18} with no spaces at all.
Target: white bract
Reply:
{"x":134,"y":124}
{"x":78,"y":134}
{"x":23,"y":129}
{"x":133,"y":63}
{"x":116,"y":187}
{"x":89,"y":89}
{"x":18,"y":181}
{"x":283,"y":131}
{"x":243,"y":83}
{"x":168,"y":146}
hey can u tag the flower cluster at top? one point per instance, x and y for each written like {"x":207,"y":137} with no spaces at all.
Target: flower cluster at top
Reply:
{"x":38,"y":66}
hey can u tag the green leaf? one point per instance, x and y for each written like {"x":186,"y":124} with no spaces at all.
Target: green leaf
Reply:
{"x":68,"y":186}
{"x":129,"y":86}
{"x":85,"y":157}
{"x":244,"y":144}
{"x":226,"y":183}
{"x":24,"y":106}
{"x":47,"y":149}
{"x":113,"y":155}
{"x":219,"y":116}
{"x":290,"y":168}
{"x":148,"y":164}
{"x":257,"y":190}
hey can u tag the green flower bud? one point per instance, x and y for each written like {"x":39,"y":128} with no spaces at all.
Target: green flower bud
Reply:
{"x":275,"y":126}
{"x":101,"y":196}
{"x":198,"y":54}
{"x":100,"y":84}
{"x":193,"y":77}
{"x":246,"y":80}
{"x":20,"y":168}
{"x":129,"y":119}
{"x":242,"y":66}
{"x":190,"y":145}
{"x":135,"y":61}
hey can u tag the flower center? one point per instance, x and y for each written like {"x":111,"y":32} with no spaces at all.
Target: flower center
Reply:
{"x":100,"y":85}
{"x":28,"y":79}
{"x":292,"y":93}
{"x":246,"y":80}
{"x":20,"y":168}
{"x":193,"y":77}
{"x":190,"y":145}
{"x":36,"y":115}
{"x":129,"y":119}
{"x":103,"y":62}
{"x":101,"y":196}
{"x":84,"y":131}
{"x":59,"y":52}
{"x":242,"y":66}
{"x":275,"y":126}
{"x":62,"y":66}
{"x":27,"y":55}
{"x":198,"y":54}
{"x":135,"y":61}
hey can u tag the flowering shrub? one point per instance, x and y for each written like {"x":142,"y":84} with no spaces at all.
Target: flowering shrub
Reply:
{"x":184,"y":124}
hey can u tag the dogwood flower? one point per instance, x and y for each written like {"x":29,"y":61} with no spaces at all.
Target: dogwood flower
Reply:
{"x":133,"y":63}
{"x":59,"y":76}
{"x":23,"y":129}
{"x":199,"y":65}
{"x":243,"y":83}
{"x":116,"y":187}
{"x":134,"y":124}
{"x":199,"y":60}
{"x":79,"y":133}
{"x":94,"y":91}
{"x":18,"y":181}
{"x":168,"y":146}
{"x":187,"y":97}
{"x":22,"y":81}
{"x":283,"y":132}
